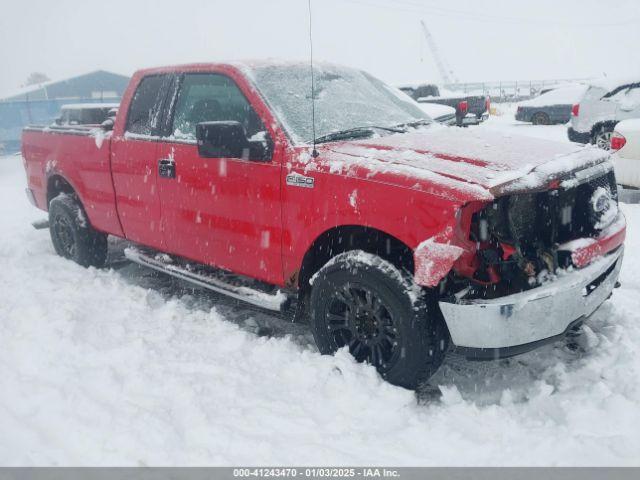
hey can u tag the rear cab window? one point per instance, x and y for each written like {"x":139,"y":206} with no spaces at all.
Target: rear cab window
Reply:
{"x":146,"y":108}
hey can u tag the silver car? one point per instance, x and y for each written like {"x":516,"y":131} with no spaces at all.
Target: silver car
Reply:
{"x":604,"y":104}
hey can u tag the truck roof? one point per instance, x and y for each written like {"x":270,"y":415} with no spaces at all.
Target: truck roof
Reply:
{"x":244,"y":66}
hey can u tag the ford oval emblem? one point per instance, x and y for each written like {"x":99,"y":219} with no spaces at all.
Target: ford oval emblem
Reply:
{"x":602,"y":202}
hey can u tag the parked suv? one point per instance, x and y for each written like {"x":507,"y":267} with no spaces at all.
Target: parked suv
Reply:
{"x":602,"y":107}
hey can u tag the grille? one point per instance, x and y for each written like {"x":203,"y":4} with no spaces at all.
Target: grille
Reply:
{"x":545,"y":219}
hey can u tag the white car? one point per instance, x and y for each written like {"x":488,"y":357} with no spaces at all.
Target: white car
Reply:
{"x":625,"y":141}
{"x":604,"y":105}
{"x":440,"y":113}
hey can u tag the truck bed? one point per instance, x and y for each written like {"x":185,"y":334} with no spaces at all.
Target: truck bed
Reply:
{"x":83,"y":153}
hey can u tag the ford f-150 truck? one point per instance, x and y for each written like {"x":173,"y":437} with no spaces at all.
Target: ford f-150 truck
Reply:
{"x":395,"y":237}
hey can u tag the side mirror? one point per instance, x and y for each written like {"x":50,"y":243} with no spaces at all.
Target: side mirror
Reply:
{"x":58,"y":121}
{"x":227,"y":139}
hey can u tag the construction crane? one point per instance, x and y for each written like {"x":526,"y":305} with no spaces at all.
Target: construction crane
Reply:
{"x":446,"y":73}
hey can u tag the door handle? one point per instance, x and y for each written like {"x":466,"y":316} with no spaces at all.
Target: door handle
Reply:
{"x":167,"y":168}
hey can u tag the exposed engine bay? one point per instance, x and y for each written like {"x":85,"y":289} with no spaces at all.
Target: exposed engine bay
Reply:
{"x":518,"y":235}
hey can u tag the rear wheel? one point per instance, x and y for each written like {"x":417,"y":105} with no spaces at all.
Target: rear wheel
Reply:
{"x":72,"y":235}
{"x":363,"y":302}
{"x":541,"y":118}
{"x":602,"y":137}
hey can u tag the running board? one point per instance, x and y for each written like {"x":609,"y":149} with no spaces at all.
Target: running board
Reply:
{"x":40,"y":224}
{"x":215,"y":280}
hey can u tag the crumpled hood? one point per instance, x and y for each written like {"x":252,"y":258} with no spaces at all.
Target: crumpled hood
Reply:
{"x":492,"y":160}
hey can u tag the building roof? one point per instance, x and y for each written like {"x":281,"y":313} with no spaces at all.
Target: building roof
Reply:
{"x":80,"y":86}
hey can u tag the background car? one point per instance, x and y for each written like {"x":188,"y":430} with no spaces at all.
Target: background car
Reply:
{"x":625,"y":142}
{"x":551,"y":107}
{"x":604,"y":104}
{"x":440,"y":113}
{"x":470,"y":109}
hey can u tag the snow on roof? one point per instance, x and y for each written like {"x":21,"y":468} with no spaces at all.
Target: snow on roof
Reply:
{"x":558,"y":96}
{"x":611,"y":83}
{"x":30,"y":89}
{"x":25,"y":90}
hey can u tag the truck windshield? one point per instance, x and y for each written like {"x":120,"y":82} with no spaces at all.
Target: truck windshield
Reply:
{"x":345,"y":99}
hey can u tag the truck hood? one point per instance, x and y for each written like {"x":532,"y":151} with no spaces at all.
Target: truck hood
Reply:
{"x":477,"y":160}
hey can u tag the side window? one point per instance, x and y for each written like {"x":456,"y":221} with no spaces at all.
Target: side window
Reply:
{"x":206,"y":97}
{"x":629,"y":99}
{"x":146,"y":104}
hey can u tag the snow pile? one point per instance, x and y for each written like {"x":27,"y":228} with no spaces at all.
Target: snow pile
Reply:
{"x":124,"y":367}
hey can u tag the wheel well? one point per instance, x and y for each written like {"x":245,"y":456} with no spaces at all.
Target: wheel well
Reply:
{"x":57,"y":185}
{"x":353,"y":237}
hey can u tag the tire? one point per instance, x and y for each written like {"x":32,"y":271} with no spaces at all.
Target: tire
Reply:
{"x":540,"y":118}
{"x":354,"y":294}
{"x":72,"y":235}
{"x":602,"y":137}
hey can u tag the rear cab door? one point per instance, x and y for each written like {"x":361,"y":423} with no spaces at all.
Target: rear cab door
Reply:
{"x":134,"y":156}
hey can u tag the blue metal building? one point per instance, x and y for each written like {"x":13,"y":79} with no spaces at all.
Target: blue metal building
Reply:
{"x":40,"y":104}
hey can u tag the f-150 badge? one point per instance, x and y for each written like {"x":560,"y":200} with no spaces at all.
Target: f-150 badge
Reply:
{"x":297,"y":180}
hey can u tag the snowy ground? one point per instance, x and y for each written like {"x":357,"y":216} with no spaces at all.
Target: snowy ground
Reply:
{"x":124,"y":367}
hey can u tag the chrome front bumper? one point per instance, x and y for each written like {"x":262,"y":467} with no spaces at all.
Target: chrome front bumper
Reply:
{"x":537,"y":314}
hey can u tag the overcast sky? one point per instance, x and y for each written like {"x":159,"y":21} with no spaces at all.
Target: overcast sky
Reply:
{"x":480,"y":40}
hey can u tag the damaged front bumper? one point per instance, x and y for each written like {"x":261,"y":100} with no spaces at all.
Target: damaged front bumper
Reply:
{"x":514,"y":324}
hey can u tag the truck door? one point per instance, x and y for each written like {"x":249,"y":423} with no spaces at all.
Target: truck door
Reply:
{"x":134,"y":156}
{"x":219,"y":211}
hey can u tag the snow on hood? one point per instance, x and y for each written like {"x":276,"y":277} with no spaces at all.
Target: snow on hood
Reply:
{"x":486,"y":162}
{"x":435,"y":110}
{"x":558,"y":96}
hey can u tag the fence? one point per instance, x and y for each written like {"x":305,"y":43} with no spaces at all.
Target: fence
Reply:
{"x":512,"y":90}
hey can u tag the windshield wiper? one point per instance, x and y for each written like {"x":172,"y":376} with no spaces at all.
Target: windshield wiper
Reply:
{"x":417,"y":123}
{"x":356,"y":133}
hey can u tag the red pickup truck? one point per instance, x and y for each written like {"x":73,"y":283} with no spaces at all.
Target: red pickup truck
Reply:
{"x":396,"y":237}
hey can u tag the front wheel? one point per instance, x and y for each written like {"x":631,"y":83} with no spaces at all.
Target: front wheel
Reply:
{"x":363,"y":302}
{"x":72,"y":235}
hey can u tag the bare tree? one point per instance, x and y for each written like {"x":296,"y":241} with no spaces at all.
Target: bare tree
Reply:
{"x":36,"y":78}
